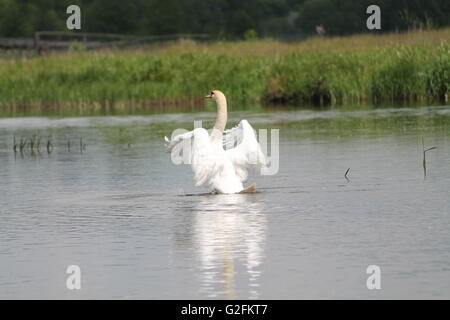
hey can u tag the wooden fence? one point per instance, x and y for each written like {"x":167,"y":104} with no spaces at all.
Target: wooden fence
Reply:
{"x":56,"y":40}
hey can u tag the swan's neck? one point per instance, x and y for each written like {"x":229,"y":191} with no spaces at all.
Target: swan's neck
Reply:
{"x":221,"y":120}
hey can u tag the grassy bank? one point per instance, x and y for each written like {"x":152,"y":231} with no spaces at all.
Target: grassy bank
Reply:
{"x":396,"y":68}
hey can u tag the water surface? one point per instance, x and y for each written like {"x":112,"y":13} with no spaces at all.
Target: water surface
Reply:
{"x":138,"y":228}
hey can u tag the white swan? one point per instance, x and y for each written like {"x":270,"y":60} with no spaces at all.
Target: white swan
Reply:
{"x":221,"y":159}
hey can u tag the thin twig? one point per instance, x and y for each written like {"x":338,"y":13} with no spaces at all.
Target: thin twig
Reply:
{"x":49,"y":145}
{"x":424,"y":162}
{"x":345,"y":176}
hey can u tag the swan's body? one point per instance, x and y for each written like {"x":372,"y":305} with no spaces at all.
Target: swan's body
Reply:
{"x":213,"y":161}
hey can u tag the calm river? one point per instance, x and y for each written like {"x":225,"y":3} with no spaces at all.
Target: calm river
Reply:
{"x":138,"y":228}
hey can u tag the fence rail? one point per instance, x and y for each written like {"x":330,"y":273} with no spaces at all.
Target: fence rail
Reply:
{"x":56,"y":40}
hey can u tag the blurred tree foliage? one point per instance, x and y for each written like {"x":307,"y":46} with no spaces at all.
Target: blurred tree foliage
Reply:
{"x":228,"y":19}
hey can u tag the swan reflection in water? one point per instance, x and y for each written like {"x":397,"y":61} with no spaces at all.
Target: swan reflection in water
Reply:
{"x":227,"y":234}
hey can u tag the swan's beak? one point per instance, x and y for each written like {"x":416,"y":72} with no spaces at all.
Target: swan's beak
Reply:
{"x":209,"y":96}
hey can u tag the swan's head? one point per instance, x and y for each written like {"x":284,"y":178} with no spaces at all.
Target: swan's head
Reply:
{"x":216,"y":94}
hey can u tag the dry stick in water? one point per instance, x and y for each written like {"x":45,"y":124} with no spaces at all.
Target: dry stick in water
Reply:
{"x":345,"y":176}
{"x":424,"y":158}
{"x":22,"y":145}
{"x":82,"y":145}
{"x":32,"y":143}
{"x":38,"y":144}
{"x":49,"y":145}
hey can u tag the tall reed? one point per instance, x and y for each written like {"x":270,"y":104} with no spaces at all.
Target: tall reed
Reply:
{"x":331,"y":71}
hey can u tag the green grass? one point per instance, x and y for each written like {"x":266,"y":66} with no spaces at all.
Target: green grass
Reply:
{"x":396,"y":68}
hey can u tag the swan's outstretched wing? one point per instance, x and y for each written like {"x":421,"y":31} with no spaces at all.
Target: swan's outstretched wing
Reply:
{"x":243,"y":149}
{"x":194,"y":148}
{"x":180,"y":147}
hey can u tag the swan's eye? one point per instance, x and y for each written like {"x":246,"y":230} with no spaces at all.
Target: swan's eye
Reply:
{"x":212,"y":92}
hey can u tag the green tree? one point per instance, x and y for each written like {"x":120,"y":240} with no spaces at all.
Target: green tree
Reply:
{"x":163,"y":17}
{"x":11,"y":19}
{"x":220,"y":18}
{"x":241,"y":22}
{"x":112,"y":16}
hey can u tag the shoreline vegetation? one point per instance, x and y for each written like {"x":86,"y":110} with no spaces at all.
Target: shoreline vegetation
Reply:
{"x":396,"y":68}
